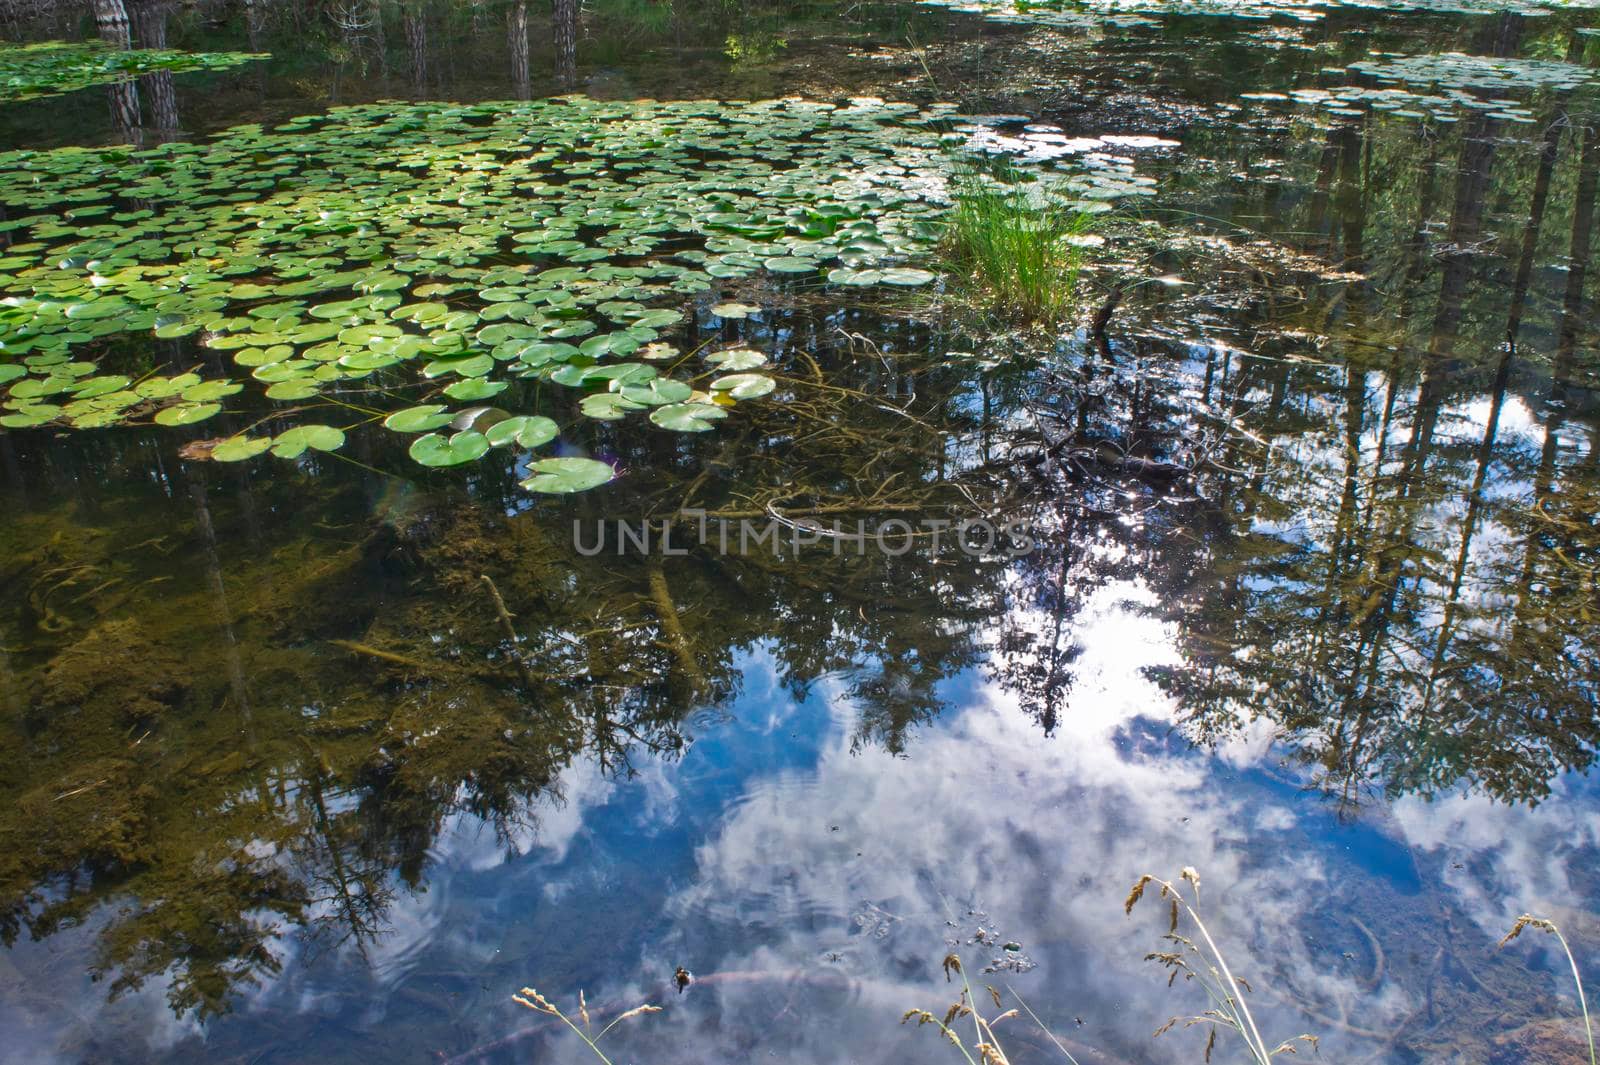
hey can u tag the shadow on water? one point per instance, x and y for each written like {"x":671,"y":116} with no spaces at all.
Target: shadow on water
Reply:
{"x":328,"y":757}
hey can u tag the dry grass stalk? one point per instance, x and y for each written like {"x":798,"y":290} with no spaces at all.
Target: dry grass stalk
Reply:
{"x":985,"y":1042}
{"x":538,"y":1003}
{"x":1543,"y":924}
{"x":1206,"y":965}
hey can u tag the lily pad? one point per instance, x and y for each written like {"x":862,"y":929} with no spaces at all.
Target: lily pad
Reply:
{"x":187,"y":413}
{"x":736,"y":359}
{"x":688,"y":417}
{"x":418,"y":419}
{"x":744,"y":385}
{"x":473,"y":389}
{"x":293,"y":443}
{"x":526,"y":430}
{"x":566,"y":475}
{"x":437,"y":450}
{"x":239,"y":448}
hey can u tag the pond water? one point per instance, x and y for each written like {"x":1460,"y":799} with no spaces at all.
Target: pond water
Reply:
{"x":322,"y":754}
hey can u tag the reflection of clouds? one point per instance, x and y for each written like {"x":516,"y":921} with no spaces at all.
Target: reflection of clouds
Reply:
{"x":51,"y":1014}
{"x":1501,"y":860}
{"x":865,"y":859}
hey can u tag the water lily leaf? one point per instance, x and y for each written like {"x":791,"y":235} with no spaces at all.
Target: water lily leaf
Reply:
{"x":165,"y":387}
{"x":207,"y":391}
{"x":607,"y":406}
{"x":905,"y":275}
{"x":437,"y":450}
{"x":790,"y":264}
{"x":187,"y":413}
{"x":625,"y":372}
{"x":479,"y":418}
{"x":656,"y":392}
{"x":688,"y":417}
{"x":11,"y":371}
{"x":293,"y":443}
{"x":528,"y":430}
{"x":659,"y":351}
{"x":847,"y":275}
{"x":239,"y":448}
{"x":472,"y":389}
{"x":744,"y":385}
{"x":297,"y":388}
{"x":30,"y":417}
{"x":565,"y":475}
{"x":734,"y":309}
{"x":34,"y":387}
{"x":418,"y":419}
{"x":472,"y":366}
{"x":542,"y":352}
{"x":170,"y":326}
{"x":100,"y":386}
{"x":657,"y":319}
{"x":735,"y":359}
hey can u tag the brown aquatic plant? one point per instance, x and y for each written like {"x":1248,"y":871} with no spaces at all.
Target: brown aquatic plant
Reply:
{"x":1544,"y":924}
{"x":539,"y":1004}
{"x":1204,"y":963}
{"x":985,"y":1043}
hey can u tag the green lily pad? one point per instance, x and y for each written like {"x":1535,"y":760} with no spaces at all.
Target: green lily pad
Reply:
{"x":656,"y":392}
{"x":187,"y":413}
{"x":437,"y":450}
{"x":418,"y":419}
{"x":527,"y":430}
{"x":296,"y":388}
{"x":744,"y":385}
{"x":688,"y":417}
{"x":736,"y":359}
{"x":908,"y":276}
{"x":472,"y":389}
{"x":209,"y":391}
{"x":566,"y":475}
{"x":293,"y":443}
{"x":608,"y":406}
{"x":239,"y":448}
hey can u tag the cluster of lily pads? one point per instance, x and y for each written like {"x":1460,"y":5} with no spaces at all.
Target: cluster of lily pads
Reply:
{"x":435,"y":253}
{"x":1496,"y":87}
{"x":1084,"y":173}
{"x":52,"y":68}
{"x":1126,"y":13}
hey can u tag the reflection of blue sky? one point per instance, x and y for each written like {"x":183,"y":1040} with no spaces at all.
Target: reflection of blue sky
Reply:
{"x":814,"y":887}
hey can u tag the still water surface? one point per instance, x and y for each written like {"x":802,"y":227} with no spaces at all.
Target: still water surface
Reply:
{"x":1313,"y":609}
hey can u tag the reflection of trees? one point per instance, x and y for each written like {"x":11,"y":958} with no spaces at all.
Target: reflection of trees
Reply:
{"x":1391,"y":587}
{"x":236,"y":742}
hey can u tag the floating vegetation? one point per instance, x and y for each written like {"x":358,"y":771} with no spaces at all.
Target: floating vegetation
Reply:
{"x":1125,"y":13}
{"x":51,"y":68}
{"x":1091,"y":172}
{"x":1464,"y":84}
{"x":437,"y":252}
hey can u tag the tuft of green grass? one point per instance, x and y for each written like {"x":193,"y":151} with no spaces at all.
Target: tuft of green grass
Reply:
{"x":1014,"y":238}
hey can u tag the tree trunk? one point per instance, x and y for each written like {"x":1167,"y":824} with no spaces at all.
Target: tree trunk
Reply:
{"x":416,"y":28}
{"x":150,"y":29}
{"x":111,"y":19}
{"x":517,"y":42}
{"x":566,"y":38}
